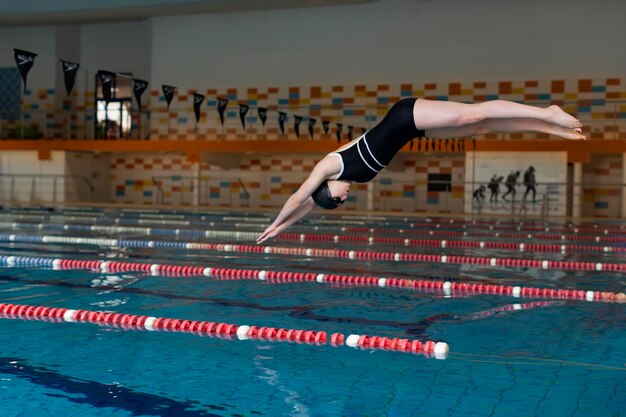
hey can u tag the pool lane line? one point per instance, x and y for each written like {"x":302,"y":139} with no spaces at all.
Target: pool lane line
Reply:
{"x":331,"y":253}
{"x":438,"y":350}
{"x":435,"y":243}
{"x":192,"y":219}
{"x":438,"y":286}
{"x":210,"y":233}
{"x":228,"y":222}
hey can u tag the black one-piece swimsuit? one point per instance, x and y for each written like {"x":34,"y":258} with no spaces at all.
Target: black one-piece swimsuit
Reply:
{"x":376,"y":148}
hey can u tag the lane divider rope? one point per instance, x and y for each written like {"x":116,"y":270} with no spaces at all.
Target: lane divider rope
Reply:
{"x":301,"y":236}
{"x":190,"y":220}
{"x":435,"y":243}
{"x":437,"y":286}
{"x":438,"y":350}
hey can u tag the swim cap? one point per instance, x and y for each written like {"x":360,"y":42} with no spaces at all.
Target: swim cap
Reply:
{"x":324,"y":198}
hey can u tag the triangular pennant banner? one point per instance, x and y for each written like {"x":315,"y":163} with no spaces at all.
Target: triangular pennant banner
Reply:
{"x":311,"y":125}
{"x":221,"y":108}
{"x":262,"y":114}
{"x":296,"y":124}
{"x":168,"y":92}
{"x":139,"y":86}
{"x":339,"y":129}
{"x":350,"y":129}
{"x":198,"y":99}
{"x":69,"y":74}
{"x":243,"y":110}
{"x":106,"y":81}
{"x":325,"y":126}
{"x":25,"y":61}
{"x":282,"y":118}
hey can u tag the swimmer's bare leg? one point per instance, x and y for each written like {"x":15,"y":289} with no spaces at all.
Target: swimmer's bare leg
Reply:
{"x":504,"y":126}
{"x":429,"y":114}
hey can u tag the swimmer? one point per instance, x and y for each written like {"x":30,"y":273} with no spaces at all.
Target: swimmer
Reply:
{"x":360,"y":160}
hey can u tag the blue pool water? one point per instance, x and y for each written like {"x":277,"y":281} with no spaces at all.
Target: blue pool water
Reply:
{"x":557,"y":358}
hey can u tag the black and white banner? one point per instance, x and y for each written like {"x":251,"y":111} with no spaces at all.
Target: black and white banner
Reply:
{"x":221,"y":108}
{"x":168,"y":92}
{"x":262,"y":114}
{"x":243,"y":110}
{"x":25,"y":61}
{"x":69,"y":74}
{"x":296,"y":124}
{"x":282,"y":118}
{"x":139,"y":86}
{"x":198,"y":99}
{"x":107,"y":79}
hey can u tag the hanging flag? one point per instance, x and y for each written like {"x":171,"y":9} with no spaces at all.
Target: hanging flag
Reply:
{"x":139,"y":86}
{"x":282,"y":118}
{"x":24,"y":61}
{"x":350,"y":129}
{"x":243,"y":109}
{"x":296,"y":125}
{"x":106,"y":81}
{"x":325,"y":126}
{"x":69,"y":74}
{"x":262,"y":114}
{"x":339,"y":129}
{"x":419,"y":144}
{"x":411,"y":145}
{"x":221,"y":108}
{"x":311,"y":125}
{"x":198,"y":99}
{"x":168,"y":92}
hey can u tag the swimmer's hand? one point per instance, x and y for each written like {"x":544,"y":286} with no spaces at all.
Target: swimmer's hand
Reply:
{"x":269,"y":233}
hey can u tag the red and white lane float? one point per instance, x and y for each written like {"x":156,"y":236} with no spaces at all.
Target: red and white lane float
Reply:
{"x":346,"y":254}
{"x":437,"y":350}
{"x":433,"y":243}
{"x":426,"y":285}
{"x":251,"y":236}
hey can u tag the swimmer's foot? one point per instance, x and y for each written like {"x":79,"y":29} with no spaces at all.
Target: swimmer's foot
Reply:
{"x":573,"y":134}
{"x":561,"y":118}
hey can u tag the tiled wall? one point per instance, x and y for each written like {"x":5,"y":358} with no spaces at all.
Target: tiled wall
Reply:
{"x":269,"y":181}
{"x":360,"y":106}
{"x":603,"y":193}
{"x":594,"y":101}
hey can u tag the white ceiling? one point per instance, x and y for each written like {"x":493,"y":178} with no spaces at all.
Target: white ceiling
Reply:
{"x":40,"y":12}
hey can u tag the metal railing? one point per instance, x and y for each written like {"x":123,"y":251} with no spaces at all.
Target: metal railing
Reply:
{"x":384,"y":195}
{"x":202,"y":191}
{"x":35,"y":189}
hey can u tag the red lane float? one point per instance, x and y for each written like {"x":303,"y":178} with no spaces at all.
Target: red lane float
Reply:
{"x":438,"y":350}
{"x":365,"y":239}
{"x":445,"y":287}
{"x":408,"y":257}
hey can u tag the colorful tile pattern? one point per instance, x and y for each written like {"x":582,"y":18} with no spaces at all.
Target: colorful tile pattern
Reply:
{"x":594,"y":101}
{"x":602,"y":197}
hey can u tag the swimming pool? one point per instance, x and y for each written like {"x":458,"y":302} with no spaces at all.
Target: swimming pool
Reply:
{"x":513,"y":352}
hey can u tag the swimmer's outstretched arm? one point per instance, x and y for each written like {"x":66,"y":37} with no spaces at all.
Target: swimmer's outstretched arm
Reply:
{"x":300,"y":203}
{"x":275,"y":229}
